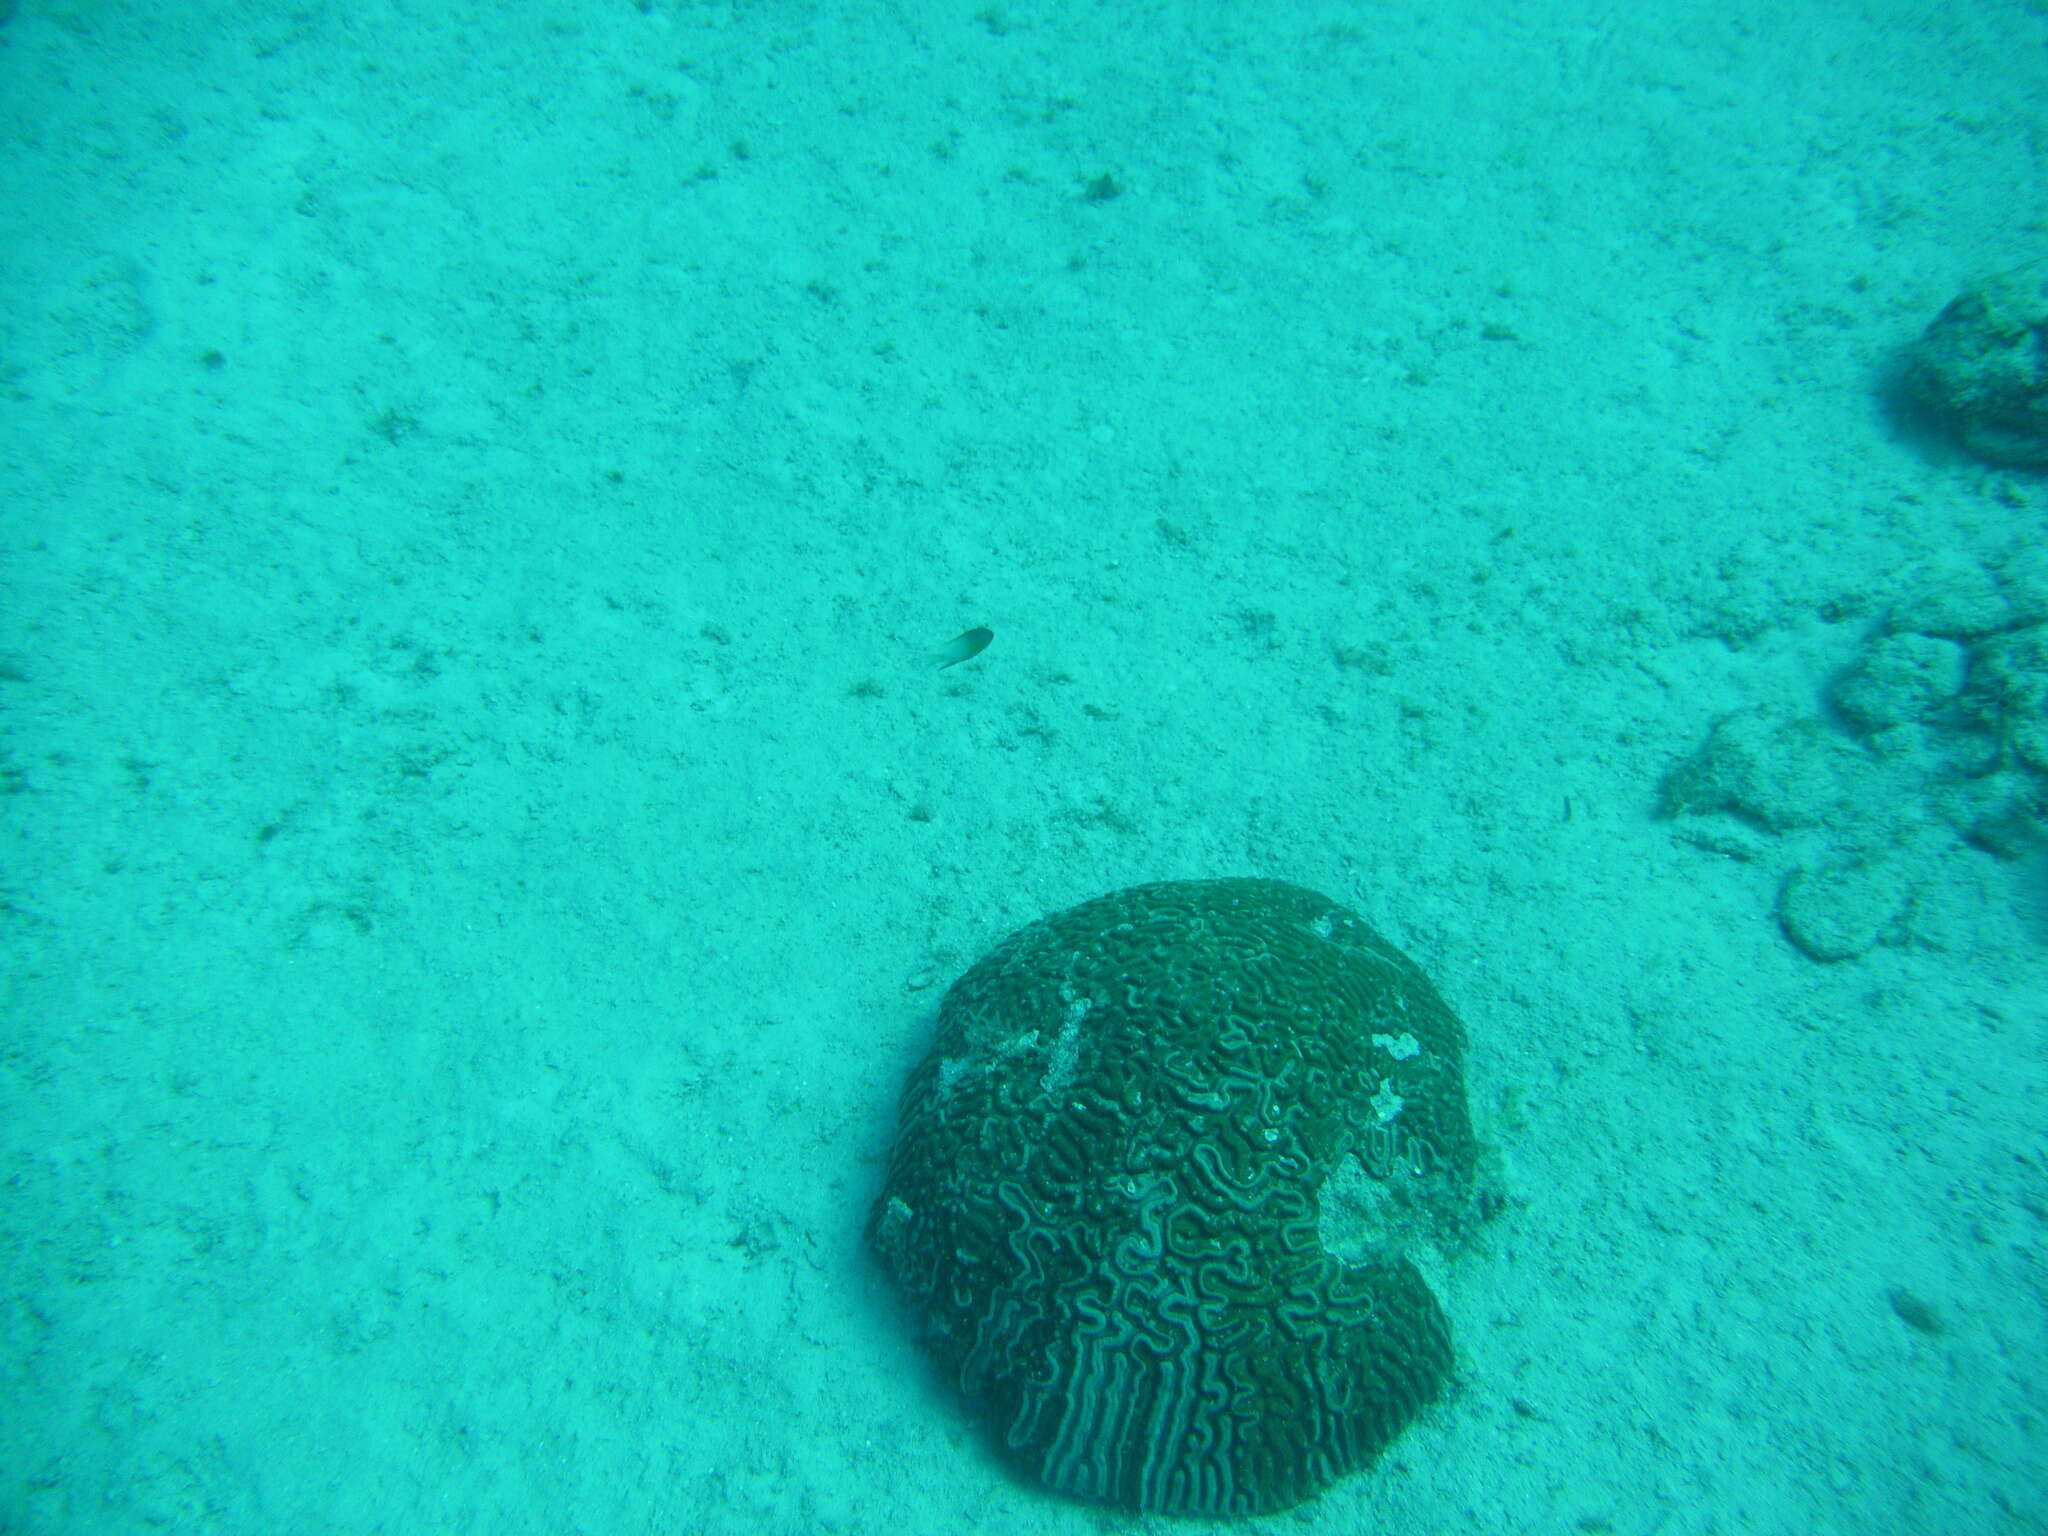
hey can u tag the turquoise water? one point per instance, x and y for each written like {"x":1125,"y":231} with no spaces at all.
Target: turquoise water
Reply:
{"x":484,"y":492}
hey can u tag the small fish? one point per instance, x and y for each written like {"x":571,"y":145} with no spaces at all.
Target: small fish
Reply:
{"x":962,"y":648}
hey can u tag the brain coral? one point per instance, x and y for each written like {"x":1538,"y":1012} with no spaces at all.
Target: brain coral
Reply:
{"x":1153,"y":1185}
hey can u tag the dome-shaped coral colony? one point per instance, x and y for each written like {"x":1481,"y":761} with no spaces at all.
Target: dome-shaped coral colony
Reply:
{"x":1152,"y":1187}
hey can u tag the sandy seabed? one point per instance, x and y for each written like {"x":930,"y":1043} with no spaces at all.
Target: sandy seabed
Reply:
{"x":482,"y":487}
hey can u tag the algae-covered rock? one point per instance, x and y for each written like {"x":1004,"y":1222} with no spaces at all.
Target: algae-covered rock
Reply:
{"x":1899,"y":678}
{"x":1775,"y":774}
{"x":1841,"y":908}
{"x":1983,"y":366}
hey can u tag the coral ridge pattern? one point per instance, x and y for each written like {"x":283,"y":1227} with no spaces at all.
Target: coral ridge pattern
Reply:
{"x":1155,"y":1185}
